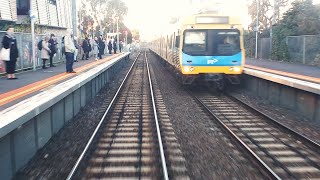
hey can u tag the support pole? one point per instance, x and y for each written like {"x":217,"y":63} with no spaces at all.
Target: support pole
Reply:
{"x":33,"y":17}
{"x":74,"y":17}
{"x":257,"y":29}
{"x":118,"y":33}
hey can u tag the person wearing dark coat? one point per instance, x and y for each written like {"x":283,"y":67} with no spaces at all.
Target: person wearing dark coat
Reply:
{"x":9,"y":41}
{"x":114,"y":47}
{"x":86,"y":48}
{"x":110,"y":47}
{"x":104,"y":45}
{"x":101,"y":47}
{"x":53,"y":48}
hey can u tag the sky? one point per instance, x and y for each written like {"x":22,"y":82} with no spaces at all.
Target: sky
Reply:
{"x":151,"y":17}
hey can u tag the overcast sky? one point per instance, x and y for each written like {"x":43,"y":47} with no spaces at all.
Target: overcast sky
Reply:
{"x":152,"y":16}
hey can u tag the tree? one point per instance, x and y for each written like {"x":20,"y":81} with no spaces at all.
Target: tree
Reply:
{"x":136,"y":34}
{"x":266,"y":12}
{"x":115,"y":9}
{"x":301,"y":19}
{"x":86,"y":21}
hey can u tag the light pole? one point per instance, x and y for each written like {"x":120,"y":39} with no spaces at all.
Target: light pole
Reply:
{"x":74,"y":18}
{"x":33,"y":17}
{"x":126,"y":37}
{"x":257,"y":29}
{"x":117,"y":19}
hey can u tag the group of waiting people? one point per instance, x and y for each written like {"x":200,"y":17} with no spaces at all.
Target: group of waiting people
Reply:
{"x":98,"y":47}
{"x":48,"y":48}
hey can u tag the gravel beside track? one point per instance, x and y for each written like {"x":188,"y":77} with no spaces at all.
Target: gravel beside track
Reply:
{"x":287,"y":117}
{"x":208,"y":151}
{"x":56,"y":158}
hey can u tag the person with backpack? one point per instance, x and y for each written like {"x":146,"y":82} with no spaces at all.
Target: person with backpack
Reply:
{"x":53,"y":47}
{"x":45,"y":51}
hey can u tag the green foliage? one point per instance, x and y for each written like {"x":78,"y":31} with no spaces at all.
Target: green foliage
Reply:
{"x":101,"y":16}
{"x":4,"y":25}
{"x":249,"y":43}
{"x":301,"y":19}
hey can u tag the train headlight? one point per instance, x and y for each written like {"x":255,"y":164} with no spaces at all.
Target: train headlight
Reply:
{"x":237,"y":69}
{"x":188,"y":69}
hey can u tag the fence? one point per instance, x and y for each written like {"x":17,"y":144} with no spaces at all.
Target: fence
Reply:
{"x":302,"y":49}
{"x":24,"y":43}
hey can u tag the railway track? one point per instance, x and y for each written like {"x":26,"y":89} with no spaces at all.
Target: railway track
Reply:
{"x":280,"y":152}
{"x":127,"y":142}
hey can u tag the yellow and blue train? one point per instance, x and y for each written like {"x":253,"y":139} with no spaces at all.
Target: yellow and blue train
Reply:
{"x":206,"y":47}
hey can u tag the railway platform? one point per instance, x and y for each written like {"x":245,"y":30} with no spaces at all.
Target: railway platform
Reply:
{"x":293,"y":86}
{"x":293,"y":70}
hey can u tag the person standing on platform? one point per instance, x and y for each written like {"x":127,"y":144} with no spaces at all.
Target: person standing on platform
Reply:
{"x":53,"y":48}
{"x":104,"y":45}
{"x":95,"y":48}
{"x":45,"y":51}
{"x":75,"y":41}
{"x":85,"y":47}
{"x":110,"y":47}
{"x":100,"y":48}
{"x":69,"y":51}
{"x":10,"y":42}
{"x":120,"y":46}
{"x":114,"y":47}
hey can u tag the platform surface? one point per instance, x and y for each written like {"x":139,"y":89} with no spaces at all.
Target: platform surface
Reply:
{"x":297,"y":71}
{"x":32,"y":82}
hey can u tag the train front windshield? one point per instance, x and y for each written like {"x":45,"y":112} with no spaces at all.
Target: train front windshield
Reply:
{"x":212,"y":42}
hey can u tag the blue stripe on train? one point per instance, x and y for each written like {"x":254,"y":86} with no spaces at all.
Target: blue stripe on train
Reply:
{"x":211,"y":60}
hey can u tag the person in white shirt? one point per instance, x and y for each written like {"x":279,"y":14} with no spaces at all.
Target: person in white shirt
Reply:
{"x":69,"y":51}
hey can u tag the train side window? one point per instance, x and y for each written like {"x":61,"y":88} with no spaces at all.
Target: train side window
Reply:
{"x":177,"y":41}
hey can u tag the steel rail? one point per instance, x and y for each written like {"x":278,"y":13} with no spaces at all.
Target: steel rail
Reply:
{"x":262,"y":164}
{"x":295,"y":133}
{"x":163,"y":159}
{"x":75,"y":167}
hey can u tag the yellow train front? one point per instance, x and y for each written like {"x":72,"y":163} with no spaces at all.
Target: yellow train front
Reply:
{"x":206,"y":47}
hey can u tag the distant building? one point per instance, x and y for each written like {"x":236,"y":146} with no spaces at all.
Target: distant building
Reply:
{"x":51,"y":14}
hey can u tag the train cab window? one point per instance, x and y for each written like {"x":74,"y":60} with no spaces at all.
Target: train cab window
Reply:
{"x":211,"y":42}
{"x":225,"y":42}
{"x":195,"y":42}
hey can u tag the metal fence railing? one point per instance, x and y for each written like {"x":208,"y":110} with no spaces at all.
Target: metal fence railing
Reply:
{"x":302,"y":49}
{"x":24,"y":43}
